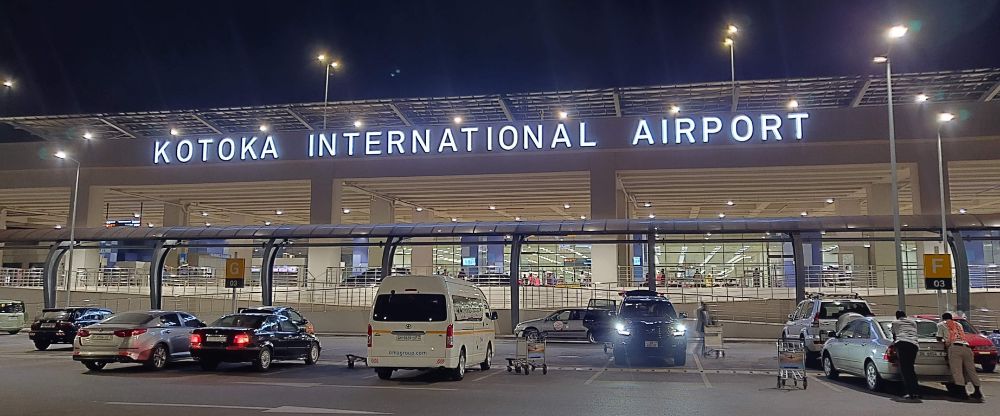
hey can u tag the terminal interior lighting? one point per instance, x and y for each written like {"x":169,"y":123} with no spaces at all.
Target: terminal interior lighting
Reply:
{"x":722,"y":215}
{"x":419,"y":209}
{"x":804,"y":214}
{"x":88,"y":135}
{"x":517,"y":218}
{"x":647,"y":204}
{"x":921,"y":98}
{"x":963,"y":211}
{"x":204,"y":214}
{"x":278,"y":212}
{"x":897,"y":32}
{"x":267,"y":222}
{"x":135,"y":215}
{"x":566,"y":206}
{"x":583,"y":217}
{"x":453,"y":219}
{"x":493,"y":207}
{"x":58,"y":227}
{"x":945,"y":117}
{"x":730,"y":203}
{"x":347,"y":210}
{"x":651,"y":216}
{"x":150,"y":225}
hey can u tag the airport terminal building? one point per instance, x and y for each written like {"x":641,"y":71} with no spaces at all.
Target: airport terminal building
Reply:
{"x":750,"y":165}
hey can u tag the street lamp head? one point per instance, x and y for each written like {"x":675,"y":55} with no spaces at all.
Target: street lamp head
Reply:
{"x":88,"y":135}
{"x":9,"y":83}
{"x":335,"y":64}
{"x":732,"y":29}
{"x":945,"y":117}
{"x":922,"y":98}
{"x":897,"y":32}
{"x":61,"y":154}
{"x":728,"y":42}
{"x":880,"y":59}
{"x":321,"y":57}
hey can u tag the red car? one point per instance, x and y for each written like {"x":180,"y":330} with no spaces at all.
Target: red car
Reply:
{"x":983,"y":349}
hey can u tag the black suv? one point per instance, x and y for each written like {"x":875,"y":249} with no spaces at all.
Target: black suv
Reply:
{"x":59,"y":325}
{"x":647,"y":326}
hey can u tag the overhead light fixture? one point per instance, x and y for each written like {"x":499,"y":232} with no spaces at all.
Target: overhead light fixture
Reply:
{"x":651,"y":215}
{"x":88,"y":135}
{"x":204,"y":214}
{"x":457,"y":119}
{"x":722,"y":215}
{"x":278,"y":212}
{"x":453,"y":219}
{"x":346,"y":210}
{"x":60,"y":154}
{"x":358,"y":123}
{"x":135,"y":215}
{"x":208,"y":224}
{"x":730,"y":203}
{"x":868,"y":245}
{"x":945,"y":117}
{"x":563,"y":115}
{"x":419,"y":209}
{"x":708,"y":234}
{"x":829,"y":200}
{"x":963,"y":211}
{"x":267,"y":222}
{"x":517,"y":218}
{"x":583,"y":217}
{"x":566,"y":205}
{"x":647,"y":204}
{"x":174,"y":132}
{"x":793,"y":104}
{"x":493,"y":207}
{"x":150,"y":225}
{"x":921,"y":98}
{"x":674,"y":109}
{"x":58,"y":227}
{"x":263,"y":127}
{"x":804,"y":213}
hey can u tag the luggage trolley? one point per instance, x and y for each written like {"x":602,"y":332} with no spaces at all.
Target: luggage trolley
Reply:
{"x":530,"y":356}
{"x":791,"y":362}
{"x":713,"y":341}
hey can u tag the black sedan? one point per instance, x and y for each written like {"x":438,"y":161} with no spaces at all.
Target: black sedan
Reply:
{"x":256,"y":338}
{"x":59,"y":325}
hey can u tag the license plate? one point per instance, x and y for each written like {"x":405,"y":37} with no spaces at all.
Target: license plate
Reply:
{"x":652,"y":344}
{"x":100,"y":337}
{"x":11,"y":317}
{"x":48,"y":325}
{"x":216,"y":338}
{"x":932,"y":353}
{"x":407,"y":337}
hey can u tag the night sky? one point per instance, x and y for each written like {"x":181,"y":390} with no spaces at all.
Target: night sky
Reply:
{"x":97,"y":56}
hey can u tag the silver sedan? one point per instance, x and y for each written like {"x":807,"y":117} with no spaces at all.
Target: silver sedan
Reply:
{"x":863,"y":347}
{"x":152,"y":338}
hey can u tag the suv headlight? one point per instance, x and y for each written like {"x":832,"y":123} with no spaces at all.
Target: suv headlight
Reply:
{"x":679,"y":330}
{"x":622,"y":330}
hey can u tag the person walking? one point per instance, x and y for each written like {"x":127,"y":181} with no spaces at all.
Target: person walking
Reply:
{"x":960,"y":360}
{"x":904,"y":337}
{"x":704,"y":318}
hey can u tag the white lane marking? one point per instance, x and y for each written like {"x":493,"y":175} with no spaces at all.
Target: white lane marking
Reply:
{"x":211,"y":406}
{"x":598,"y":374}
{"x":319,"y":410}
{"x":279,"y":384}
{"x":828,"y":385}
{"x":491,"y":374}
{"x":568,"y":356}
{"x":344,"y":386}
{"x":701,"y":370}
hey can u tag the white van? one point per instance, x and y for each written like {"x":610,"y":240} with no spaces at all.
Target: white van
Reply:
{"x":423,"y":322}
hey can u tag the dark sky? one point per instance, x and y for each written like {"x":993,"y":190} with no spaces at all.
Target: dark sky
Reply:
{"x":96,"y":56}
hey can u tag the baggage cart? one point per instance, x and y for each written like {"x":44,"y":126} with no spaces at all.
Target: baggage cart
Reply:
{"x":791,"y":363}
{"x":530,"y":356}
{"x":714,"y":346}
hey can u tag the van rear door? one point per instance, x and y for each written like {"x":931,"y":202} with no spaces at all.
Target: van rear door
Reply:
{"x":409,"y":325}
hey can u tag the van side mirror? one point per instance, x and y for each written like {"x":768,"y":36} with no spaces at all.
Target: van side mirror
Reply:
{"x":493,"y":316}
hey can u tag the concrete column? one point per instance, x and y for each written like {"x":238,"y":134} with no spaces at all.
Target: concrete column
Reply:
{"x":422,"y":257}
{"x":883,"y":258}
{"x":605,"y":203}
{"x":175,"y":214}
{"x":925,"y":185}
{"x":3,"y":226}
{"x":325,"y":207}
{"x":381,"y":212}
{"x":847,"y":207}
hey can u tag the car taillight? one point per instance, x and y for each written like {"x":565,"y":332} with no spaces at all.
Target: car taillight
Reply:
{"x":816,"y":320}
{"x":241,"y":340}
{"x":83,"y":333}
{"x":195,"y":340}
{"x":125,"y":333}
{"x":369,"y":335}
{"x":449,"y":338}
{"x":890,"y":354}
{"x":64,"y":325}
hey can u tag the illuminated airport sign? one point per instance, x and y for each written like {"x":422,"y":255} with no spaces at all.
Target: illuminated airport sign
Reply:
{"x":525,"y":137}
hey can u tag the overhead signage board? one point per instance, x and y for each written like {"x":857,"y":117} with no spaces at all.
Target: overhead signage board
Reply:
{"x":235,"y":273}
{"x":483,"y":139}
{"x":937,"y":272}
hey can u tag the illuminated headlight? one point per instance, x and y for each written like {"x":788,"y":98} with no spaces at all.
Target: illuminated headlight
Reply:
{"x":679,"y":330}
{"x":620,"y":328}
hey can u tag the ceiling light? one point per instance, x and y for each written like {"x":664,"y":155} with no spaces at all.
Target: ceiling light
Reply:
{"x":88,"y":135}
{"x":208,"y":224}
{"x":347,"y":210}
{"x":566,"y":206}
{"x":804,"y":213}
{"x":150,"y":225}
{"x":267,"y":222}
{"x":868,"y":245}
{"x":651,"y":215}
{"x":457,"y":119}
{"x":829,"y":200}
{"x":358,"y":123}
{"x":674,"y":109}
{"x":583,"y":217}
{"x":563,"y":115}
{"x":945,"y":117}
{"x":647,"y":204}
{"x":58,"y":227}
{"x":263,"y":127}
{"x":963,"y":211}
{"x":730,"y":203}
{"x":793,"y":104}
{"x":493,"y":207}
{"x":453,"y":219}
{"x":278,"y":212}
{"x":921,"y":98}
{"x":419,"y":209}
{"x":204,"y":214}
{"x":174,"y":132}
{"x":708,"y":234}
{"x":517,"y":218}
{"x":722,"y":215}
{"x":135,"y":215}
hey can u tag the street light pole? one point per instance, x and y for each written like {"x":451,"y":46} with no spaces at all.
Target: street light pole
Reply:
{"x":943,"y":118}
{"x":72,"y":226}
{"x":731,"y":42}
{"x":896,"y":231}
{"x":326,"y":95}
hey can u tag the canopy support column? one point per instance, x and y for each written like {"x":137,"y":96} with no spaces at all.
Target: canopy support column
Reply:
{"x":388,"y":252}
{"x":963,"y":298}
{"x":267,"y":270}
{"x":156,"y":273}
{"x":651,"y":260}
{"x":515,"y":280}
{"x":51,"y":272}
{"x":799,"y":260}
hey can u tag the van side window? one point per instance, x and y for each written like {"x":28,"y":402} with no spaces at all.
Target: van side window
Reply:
{"x":468,"y":309}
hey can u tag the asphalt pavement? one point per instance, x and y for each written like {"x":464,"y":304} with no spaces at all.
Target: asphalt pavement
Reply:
{"x":581,"y":380}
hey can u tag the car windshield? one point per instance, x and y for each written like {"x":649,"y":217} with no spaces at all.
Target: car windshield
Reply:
{"x":925,"y":329}
{"x":129,"y":318}
{"x":410,"y":308}
{"x":11,"y":307}
{"x":648,"y":309}
{"x":56,"y":314}
{"x":240,"y":321}
{"x":966,"y":326}
{"x":833,"y":309}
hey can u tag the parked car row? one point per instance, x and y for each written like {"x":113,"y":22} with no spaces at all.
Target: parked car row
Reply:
{"x":259,"y":336}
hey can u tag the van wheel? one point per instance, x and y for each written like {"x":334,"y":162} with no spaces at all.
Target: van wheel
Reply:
{"x":458,"y":373}
{"x":94,"y":365}
{"x":485,"y":365}
{"x":384,"y":373}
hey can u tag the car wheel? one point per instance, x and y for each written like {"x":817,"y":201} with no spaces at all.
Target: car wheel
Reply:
{"x":485,"y":365}
{"x":591,"y":338}
{"x":384,"y":373}
{"x":158,"y":358}
{"x":94,"y":365}
{"x":313,"y":355}
{"x":531,"y":334}
{"x":458,"y":373}
{"x":989,"y":367}
{"x":208,"y":365}
{"x":680,"y":355}
{"x":42,"y":345}
{"x":828,"y":369}
{"x":873,"y":380}
{"x":263,"y":361}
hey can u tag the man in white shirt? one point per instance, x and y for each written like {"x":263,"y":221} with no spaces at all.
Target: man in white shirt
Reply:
{"x":904,"y":336}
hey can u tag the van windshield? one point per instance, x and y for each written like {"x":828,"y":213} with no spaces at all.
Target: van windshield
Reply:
{"x":410,"y":307}
{"x":11,"y":307}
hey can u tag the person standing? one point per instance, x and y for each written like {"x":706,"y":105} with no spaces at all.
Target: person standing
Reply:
{"x":960,"y":360}
{"x":704,"y":319}
{"x":904,"y":337}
